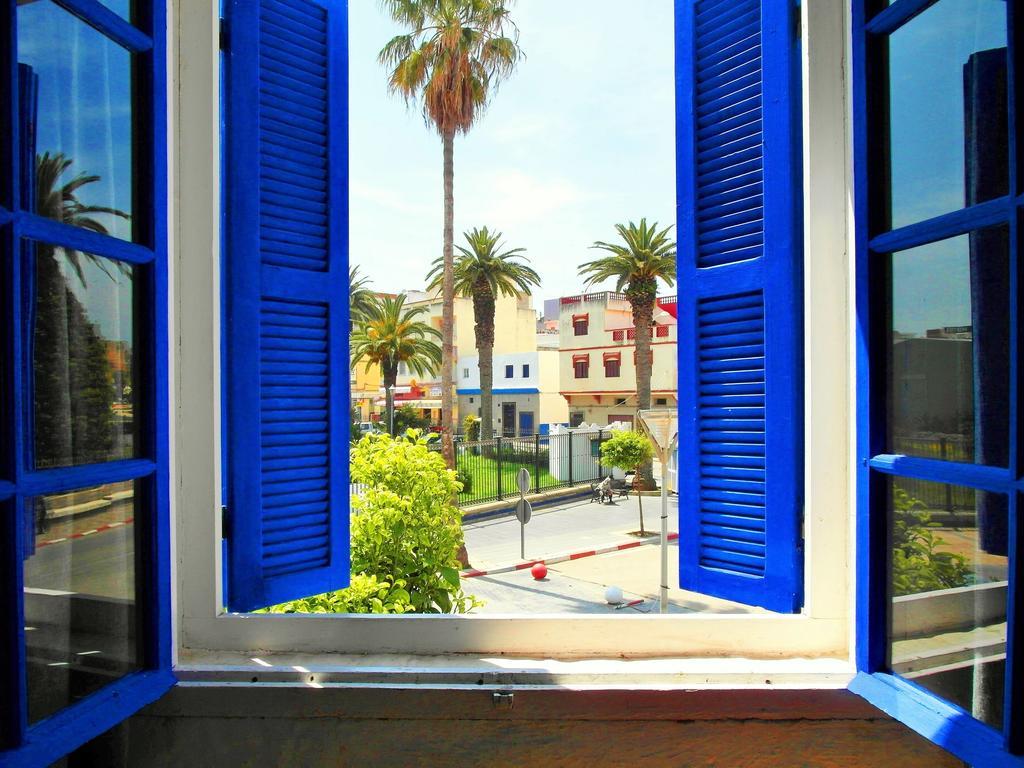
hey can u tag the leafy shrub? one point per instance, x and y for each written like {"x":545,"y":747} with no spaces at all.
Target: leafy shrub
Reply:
{"x":405,"y":534}
{"x":407,"y":417}
{"x":366,"y":594}
{"x":471,"y":428}
{"x":917,"y":563}
{"x":464,"y":476}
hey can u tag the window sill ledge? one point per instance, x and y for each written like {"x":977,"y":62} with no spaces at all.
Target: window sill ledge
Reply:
{"x":472,"y":672}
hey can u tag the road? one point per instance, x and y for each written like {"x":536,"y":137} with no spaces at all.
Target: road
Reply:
{"x":100,"y":564}
{"x":576,"y":526}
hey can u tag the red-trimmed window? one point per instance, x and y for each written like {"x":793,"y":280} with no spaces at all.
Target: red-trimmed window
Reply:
{"x":581,"y":366}
{"x":661,"y":331}
{"x":580,"y":325}
{"x":612,"y":365}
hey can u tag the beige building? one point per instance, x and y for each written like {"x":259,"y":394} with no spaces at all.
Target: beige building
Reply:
{"x":597,"y":358}
{"x":515,"y":331}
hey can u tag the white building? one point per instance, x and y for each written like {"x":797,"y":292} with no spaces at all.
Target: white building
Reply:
{"x":525,"y":387}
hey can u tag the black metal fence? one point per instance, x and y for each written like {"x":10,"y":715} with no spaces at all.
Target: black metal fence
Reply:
{"x":488,"y":469}
{"x":937,"y":496}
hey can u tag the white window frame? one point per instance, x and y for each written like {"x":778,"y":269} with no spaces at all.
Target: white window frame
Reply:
{"x":823,"y":629}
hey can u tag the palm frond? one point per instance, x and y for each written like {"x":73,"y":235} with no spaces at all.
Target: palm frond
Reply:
{"x":452,"y":56}
{"x":646,"y":255}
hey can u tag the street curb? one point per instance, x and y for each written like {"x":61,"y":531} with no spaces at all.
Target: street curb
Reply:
{"x":101,"y":529}
{"x":472,"y":573}
{"x":508,"y":506}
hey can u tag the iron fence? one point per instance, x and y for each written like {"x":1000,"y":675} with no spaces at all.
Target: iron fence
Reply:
{"x":937,"y":496}
{"x":488,"y":469}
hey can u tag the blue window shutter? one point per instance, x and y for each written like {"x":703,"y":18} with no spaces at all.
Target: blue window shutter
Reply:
{"x":740,"y":321}
{"x":286,"y":302}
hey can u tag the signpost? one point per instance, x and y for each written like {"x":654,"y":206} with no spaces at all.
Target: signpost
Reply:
{"x":662,"y":427}
{"x":524,"y":510}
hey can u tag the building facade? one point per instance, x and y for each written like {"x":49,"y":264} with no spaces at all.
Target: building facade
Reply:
{"x":597,"y":357}
{"x":515,"y":330}
{"x":526,"y":397}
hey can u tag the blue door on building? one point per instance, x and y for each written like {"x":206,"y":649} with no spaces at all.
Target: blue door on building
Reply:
{"x":525,"y":423}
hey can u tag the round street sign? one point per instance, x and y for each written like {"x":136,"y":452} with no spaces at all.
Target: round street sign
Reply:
{"x":524,"y":511}
{"x":523,"y":481}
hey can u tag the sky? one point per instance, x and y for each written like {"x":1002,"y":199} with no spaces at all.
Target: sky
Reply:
{"x":84,"y":111}
{"x":580,"y":138}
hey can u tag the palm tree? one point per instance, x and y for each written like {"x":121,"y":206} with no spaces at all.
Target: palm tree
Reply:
{"x":360,"y":297}
{"x":482,"y":272}
{"x":646,"y":256}
{"x":60,"y":202}
{"x":73,"y":383}
{"x":452,"y":56}
{"x":390,"y":334}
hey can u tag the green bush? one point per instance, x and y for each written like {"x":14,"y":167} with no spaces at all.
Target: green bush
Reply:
{"x":407,"y":417}
{"x":465,"y":477}
{"x":917,"y":563}
{"x":405,"y":534}
{"x":471,"y":428}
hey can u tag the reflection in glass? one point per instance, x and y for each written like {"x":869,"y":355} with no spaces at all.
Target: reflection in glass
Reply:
{"x":82,"y":344}
{"x":950,"y":309}
{"x":947,"y":109}
{"x":77,"y":121}
{"x":80,"y":617}
{"x":948,"y":581}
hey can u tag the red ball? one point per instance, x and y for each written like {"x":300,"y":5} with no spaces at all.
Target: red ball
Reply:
{"x":539,"y":571}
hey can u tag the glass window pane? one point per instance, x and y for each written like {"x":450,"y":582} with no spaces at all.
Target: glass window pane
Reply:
{"x":950,"y":309}
{"x":947,"y":109}
{"x":122,"y":8}
{"x":80,"y":617}
{"x":82,"y":344}
{"x":79,"y":120}
{"x":948,"y":581}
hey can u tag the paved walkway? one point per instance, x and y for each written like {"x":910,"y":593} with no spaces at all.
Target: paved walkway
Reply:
{"x":578,"y":587}
{"x":578,"y":525}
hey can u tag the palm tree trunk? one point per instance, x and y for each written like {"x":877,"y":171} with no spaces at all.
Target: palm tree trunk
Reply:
{"x":643,"y":317}
{"x":389,"y":407}
{"x":486,"y":391}
{"x":448,"y":304}
{"x":483,"y":316}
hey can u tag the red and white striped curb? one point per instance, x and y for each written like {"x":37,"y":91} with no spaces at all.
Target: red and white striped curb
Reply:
{"x":471,"y":573}
{"x":82,"y":534}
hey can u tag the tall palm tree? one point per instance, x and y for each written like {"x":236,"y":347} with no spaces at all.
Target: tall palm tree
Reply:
{"x":360,"y":296}
{"x":645,"y":256}
{"x":483,"y":271}
{"x":453,"y":55}
{"x":390,"y":334}
{"x":74,"y":383}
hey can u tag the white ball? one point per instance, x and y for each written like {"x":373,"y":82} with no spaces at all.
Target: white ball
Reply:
{"x":613,"y":595}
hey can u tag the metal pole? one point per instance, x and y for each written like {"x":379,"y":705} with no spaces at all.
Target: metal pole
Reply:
{"x":522,"y":540}
{"x":500,"y":495}
{"x":663,"y":607}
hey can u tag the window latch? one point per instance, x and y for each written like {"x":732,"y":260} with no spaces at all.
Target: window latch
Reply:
{"x":225,"y":522}
{"x":224,"y":40}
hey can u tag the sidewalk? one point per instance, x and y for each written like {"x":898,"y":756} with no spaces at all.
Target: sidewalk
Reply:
{"x":578,"y":587}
